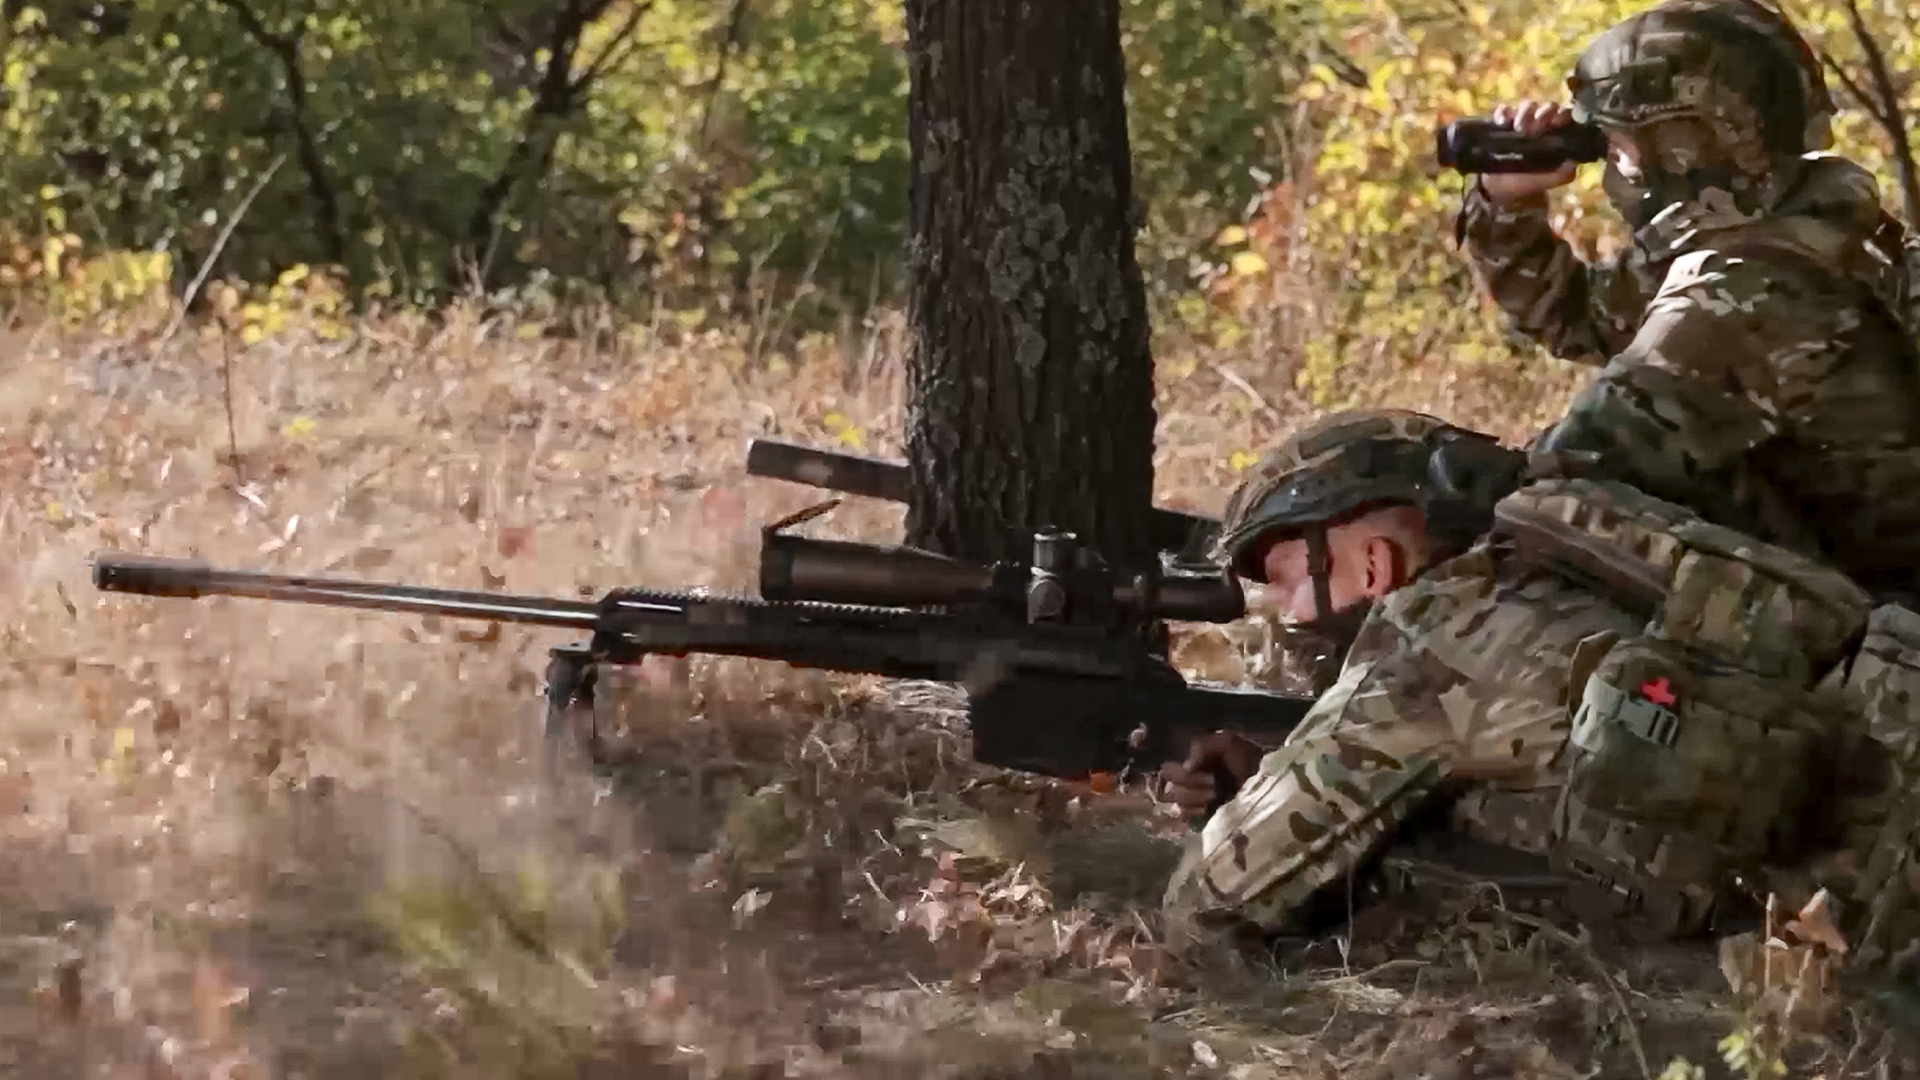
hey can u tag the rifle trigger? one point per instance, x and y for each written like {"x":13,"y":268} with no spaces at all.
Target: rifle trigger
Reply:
{"x":801,"y":517}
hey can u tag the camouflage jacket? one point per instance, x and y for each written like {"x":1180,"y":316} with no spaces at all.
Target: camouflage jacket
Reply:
{"x":1769,"y":381}
{"x":1588,"y":312}
{"x":1460,"y":676}
{"x":1579,"y":311}
{"x":1656,"y":756}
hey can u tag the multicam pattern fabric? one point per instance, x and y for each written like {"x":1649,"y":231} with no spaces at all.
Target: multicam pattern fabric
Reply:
{"x":1726,"y":104}
{"x":1370,"y":457}
{"x":1722,"y":594}
{"x":1587,"y":312}
{"x":1620,"y":686}
{"x":1767,"y":383}
{"x":1719,"y":97}
{"x":1459,"y":676}
{"x":1576,"y":310}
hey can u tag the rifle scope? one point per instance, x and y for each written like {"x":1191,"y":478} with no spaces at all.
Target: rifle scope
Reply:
{"x":797,"y":568}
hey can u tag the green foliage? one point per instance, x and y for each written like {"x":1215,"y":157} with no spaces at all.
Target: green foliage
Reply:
{"x":1682,"y":1069}
{"x":1207,"y":85}
{"x":743,"y":143}
{"x":1753,"y":1052}
{"x":755,"y":151}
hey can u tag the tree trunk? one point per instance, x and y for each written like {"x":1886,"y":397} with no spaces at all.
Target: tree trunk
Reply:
{"x":1030,"y":377}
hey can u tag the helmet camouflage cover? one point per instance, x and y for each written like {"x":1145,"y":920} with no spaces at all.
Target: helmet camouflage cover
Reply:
{"x":1739,"y":70}
{"x":1351,"y":462}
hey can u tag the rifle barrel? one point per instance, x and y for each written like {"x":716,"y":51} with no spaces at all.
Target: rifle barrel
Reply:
{"x":191,"y":578}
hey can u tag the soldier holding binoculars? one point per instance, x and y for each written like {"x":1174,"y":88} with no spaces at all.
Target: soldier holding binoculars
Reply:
{"x":1754,"y":360}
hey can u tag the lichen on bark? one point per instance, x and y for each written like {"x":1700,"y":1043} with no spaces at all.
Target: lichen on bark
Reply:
{"x":1030,"y":376}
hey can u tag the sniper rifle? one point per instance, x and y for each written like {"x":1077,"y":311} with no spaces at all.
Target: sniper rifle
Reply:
{"x":1065,"y":661}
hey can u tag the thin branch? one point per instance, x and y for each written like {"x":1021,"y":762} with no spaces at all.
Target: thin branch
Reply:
{"x":286,"y":48}
{"x":736,"y":22}
{"x":617,"y":47}
{"x":1854,"y":90}
{"x":1583,"y":948}
{"x":1340,"y":64}
{"x":1892,"y":119}
{"x":705,"y":193}
{"x":553,"y":100}
{"x":219,"y":245}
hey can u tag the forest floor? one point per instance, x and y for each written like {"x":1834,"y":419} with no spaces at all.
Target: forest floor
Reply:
{"x":241,"y":839}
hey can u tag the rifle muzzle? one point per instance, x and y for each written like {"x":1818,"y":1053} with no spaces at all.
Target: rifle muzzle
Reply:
{"x":151,"y":575}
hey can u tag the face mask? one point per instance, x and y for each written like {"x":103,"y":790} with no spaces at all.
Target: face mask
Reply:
{"x":1677,"y":178}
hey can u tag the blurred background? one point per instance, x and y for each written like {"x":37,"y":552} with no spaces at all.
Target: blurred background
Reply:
{"x":743,"y":163}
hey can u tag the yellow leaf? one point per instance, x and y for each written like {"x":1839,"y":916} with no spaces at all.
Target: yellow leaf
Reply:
{"x":48,"y":191}
{"x":1231,"y":235}
{"x":527,"y":332}
{"x":852,"y":436}
{"x":833,"y":420}
{"x":293,"y":274}
{"x":251,"y":335}
{"x":298,"y":428}
{"x":56,"y":512}
{"x":778,"y":366}
{"x":1240,"y":460}
{"x":1247,"y":264}
{"x":123,"y":741}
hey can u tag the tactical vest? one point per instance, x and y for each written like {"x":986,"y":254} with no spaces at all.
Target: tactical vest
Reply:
{"x":1697,"y":745}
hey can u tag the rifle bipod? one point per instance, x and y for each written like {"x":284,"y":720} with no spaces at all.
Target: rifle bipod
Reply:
{"x":572,"y":675}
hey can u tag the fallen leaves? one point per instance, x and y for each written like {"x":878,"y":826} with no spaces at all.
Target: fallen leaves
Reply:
{"x":513,"y":541}
{"x":1002,"y":930}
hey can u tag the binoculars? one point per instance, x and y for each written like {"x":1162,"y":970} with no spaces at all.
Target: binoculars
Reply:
{"x":1477,"y":145}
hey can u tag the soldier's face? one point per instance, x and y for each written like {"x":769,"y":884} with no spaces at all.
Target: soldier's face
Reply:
{"x":1290,"y":583}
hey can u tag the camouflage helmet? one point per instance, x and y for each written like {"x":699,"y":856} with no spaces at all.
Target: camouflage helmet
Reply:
{"x":1737,"y":67}
{"x":1351,"y":462}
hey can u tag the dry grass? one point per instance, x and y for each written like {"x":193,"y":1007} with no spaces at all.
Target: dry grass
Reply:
{"x":247,"y":840}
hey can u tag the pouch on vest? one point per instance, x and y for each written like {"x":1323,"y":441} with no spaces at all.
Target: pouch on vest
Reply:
{"x":1680,"y":776}
{"x":1693,"y":747}
{"x":1731,"y":598}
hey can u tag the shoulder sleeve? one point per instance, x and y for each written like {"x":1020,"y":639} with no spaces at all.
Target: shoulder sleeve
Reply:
{"x":1579,"y":311}
{"x":1726,"y":354}
{"x":1434,"y":690}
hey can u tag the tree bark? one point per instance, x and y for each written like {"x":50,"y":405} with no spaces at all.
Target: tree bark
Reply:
{"x":1030,"y":377}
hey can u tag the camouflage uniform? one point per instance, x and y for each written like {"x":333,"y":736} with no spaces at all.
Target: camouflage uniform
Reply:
{"x":1759,"y":369}
{"x":1646,"y":702}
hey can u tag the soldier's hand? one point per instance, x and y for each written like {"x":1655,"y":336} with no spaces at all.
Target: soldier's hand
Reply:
{"x":1192,"y":785}
{"x":1530,"y":118}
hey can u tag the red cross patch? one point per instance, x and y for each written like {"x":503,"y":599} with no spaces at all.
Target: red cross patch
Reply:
{"x":1658,"y":691}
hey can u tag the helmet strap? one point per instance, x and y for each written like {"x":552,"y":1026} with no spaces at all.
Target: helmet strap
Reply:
{"x":1318,"y":569}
